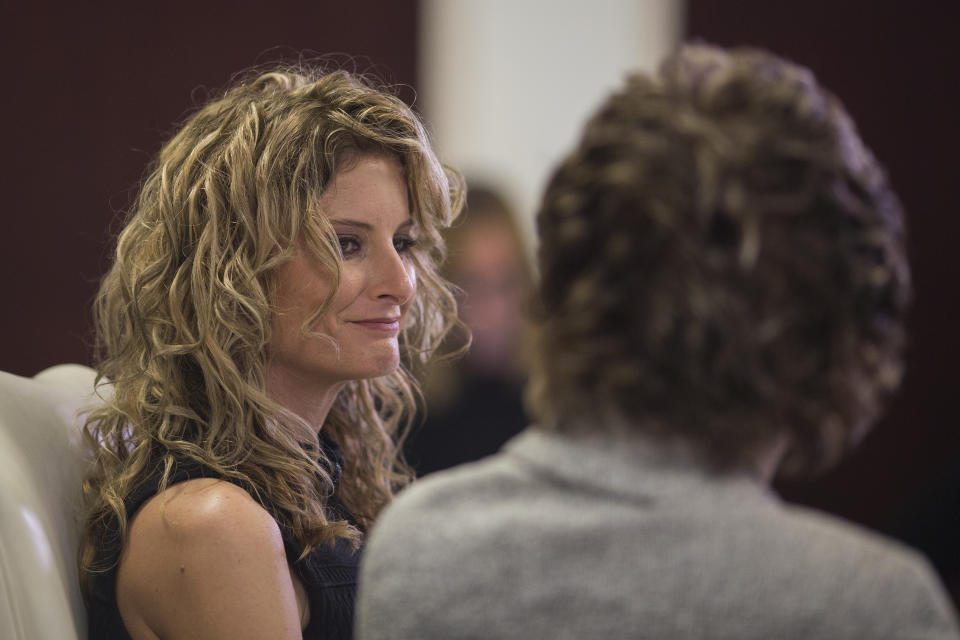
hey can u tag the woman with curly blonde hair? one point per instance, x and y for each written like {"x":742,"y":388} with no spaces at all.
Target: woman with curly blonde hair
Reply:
{"x":274,"y":283}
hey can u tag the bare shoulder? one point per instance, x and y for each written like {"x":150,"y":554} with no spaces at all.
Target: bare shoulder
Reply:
{"x":203,"y":507}
{"x":203,"y":558}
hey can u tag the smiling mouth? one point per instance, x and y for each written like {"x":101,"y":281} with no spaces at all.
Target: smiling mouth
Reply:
{"x":380,"y":324}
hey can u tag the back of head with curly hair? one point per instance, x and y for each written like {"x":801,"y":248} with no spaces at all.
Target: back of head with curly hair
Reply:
{"x":722,"y":260}
{"x":184,"y":314}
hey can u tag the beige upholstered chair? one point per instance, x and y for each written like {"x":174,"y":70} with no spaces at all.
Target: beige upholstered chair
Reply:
{"x":42,"y":462}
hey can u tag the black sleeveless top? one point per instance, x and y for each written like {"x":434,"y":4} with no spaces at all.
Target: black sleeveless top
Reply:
{"x":329,"y":574}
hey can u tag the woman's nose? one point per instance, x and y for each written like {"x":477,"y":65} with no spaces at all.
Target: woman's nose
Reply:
{"x":396,"y":277}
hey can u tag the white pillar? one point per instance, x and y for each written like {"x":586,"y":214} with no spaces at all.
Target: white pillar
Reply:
{"x":506,"y":85}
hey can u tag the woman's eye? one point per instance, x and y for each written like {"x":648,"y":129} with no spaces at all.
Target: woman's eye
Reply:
{"x":403,"y":244}
{"x":348,"y":245}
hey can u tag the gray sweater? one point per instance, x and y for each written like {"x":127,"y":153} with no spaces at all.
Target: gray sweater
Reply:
{"x":603,"y":538}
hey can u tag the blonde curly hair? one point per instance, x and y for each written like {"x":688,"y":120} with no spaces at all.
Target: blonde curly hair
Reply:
{"x":722,"y":259}
{"x":184,"y":314}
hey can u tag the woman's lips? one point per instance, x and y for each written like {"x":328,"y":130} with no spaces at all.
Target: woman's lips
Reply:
{"x":380,"y":324}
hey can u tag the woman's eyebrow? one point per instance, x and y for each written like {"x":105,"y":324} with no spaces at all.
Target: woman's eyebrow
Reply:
{"x":367,"y":226}
{"x":352,"y":223}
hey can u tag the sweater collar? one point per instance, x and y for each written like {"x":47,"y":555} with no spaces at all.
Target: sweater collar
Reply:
{"x":631,"y":466}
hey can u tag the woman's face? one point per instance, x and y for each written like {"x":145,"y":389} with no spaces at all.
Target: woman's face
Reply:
{"x":367,"y":205}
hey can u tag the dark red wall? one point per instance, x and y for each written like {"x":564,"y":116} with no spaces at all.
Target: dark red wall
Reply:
{"x":895,"y":65}
{"x":88,"y":96}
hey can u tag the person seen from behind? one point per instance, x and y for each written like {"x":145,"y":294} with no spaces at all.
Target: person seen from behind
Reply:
{"x":722,"y":300}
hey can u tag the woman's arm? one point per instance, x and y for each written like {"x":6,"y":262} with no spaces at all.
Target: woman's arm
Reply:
{"x":204,"y":560}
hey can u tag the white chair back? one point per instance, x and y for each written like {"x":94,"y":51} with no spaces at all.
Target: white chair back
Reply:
{"x":42,"y":463}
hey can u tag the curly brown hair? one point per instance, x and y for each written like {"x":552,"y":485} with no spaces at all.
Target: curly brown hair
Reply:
{"x":722,"y":259}
{"x":184,"y":313}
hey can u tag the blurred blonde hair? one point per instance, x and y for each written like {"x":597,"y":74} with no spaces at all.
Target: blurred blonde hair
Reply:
{"x":184,"y":314}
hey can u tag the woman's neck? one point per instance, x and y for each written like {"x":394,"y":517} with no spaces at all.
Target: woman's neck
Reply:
{"x":305,"y":396}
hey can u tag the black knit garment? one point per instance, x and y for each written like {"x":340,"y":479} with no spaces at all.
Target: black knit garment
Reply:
{"x":328,"y":573}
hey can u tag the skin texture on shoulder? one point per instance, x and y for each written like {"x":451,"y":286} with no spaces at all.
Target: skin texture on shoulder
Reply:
{"x":205,"y":560}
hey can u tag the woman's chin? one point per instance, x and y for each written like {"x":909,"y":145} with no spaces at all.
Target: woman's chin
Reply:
{"x":378,"y":368}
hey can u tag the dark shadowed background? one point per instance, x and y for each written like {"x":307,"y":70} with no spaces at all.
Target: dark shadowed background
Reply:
{"x":91,"y":91}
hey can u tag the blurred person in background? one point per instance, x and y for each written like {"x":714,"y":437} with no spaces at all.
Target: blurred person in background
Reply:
{"x":722,"y":299}
{"x":475,"y":404}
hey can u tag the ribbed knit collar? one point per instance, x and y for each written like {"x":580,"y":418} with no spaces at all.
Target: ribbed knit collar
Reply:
{"x":632,"y":466}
